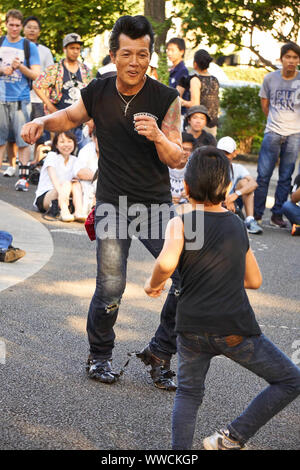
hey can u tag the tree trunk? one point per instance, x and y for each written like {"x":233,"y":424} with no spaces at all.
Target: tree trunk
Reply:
{"x":156,"y":12}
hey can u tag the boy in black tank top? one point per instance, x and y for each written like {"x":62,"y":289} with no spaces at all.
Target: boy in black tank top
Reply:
{"x":214,"y":315}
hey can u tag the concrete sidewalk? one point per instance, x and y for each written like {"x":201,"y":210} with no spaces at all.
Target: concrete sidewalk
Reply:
{"x":29,"y":235}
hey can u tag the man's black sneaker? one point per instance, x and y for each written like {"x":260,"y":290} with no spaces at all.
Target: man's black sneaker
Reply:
{"x":160,"y":370}
{"x":277,"y":221}
{"x":101,"y":370}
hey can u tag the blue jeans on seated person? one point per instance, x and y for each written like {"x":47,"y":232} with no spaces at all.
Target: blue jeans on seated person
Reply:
{"x":5,"y":241}
{"x":112,"y":254}
{"x":273,"y":146}
{"x":255,"y":353}
{"x":292,"y":212}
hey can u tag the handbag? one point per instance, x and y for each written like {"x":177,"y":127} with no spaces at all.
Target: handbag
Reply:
{"x":89,"y":225}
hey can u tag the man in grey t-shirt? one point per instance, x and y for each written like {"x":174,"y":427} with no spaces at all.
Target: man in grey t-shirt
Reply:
{"x":280,"y":100}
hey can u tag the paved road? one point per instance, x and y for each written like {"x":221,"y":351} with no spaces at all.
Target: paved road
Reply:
{"x":46,"y":400}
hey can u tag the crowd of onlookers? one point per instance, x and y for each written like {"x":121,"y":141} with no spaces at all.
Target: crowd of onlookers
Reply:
{"x":32,"y":84}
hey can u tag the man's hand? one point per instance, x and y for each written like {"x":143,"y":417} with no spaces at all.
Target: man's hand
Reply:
{"x":146,"y":125}
{"x":150,"y":291}
{"x":16,"y":63}
{"x":32,"y":131}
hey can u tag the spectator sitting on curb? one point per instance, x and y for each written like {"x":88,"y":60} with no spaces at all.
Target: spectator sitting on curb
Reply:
{"x":56,"y":180}
{"x":8,"y":253}
{"x":85,"y":167}
{"x":197,"y":118}
{"x":177,"y":174}
{"x":243,"y":185}
{"x":291,"y":209}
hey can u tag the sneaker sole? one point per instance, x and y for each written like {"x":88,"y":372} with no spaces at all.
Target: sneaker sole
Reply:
{"x":207,"y":444}
{"x":258,"y":232}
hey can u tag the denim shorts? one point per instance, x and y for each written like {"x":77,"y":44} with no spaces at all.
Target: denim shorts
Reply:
{"x":13,"y":115}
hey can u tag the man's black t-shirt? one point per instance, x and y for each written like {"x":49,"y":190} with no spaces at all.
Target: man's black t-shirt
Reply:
{"x":129,"y":164}
{"x":213,"y":298}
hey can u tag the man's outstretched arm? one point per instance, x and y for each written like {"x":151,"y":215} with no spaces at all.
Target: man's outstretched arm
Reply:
{"x":59,"y":121}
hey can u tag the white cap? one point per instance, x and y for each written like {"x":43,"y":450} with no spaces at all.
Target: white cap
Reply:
{"x":227,"y":144}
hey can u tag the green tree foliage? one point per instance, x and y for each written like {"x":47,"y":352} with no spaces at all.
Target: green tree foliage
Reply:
{"x":243,"y":119}
{"x":58,"y":18}
{"x":223,"y":22}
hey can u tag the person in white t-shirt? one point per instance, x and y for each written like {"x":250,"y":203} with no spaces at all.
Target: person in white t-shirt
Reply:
{"x":243,"y":185}
{"x":56,"y":181}
{"x":85,"y":169}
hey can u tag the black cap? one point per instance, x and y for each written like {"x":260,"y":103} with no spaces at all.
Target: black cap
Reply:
{"x":198,"y":109}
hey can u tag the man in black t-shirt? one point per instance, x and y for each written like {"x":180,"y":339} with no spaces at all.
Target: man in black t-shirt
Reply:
{"x":137,"y":123}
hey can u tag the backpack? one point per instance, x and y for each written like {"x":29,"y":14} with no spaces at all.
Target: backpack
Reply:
{"x":26,"y":46}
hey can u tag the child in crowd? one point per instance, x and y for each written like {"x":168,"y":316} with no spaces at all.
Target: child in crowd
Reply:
{"x":243,"y":185}
{"x":291,"y":209}
{"x":214,"y":315}
{"x":197,"y":118}
{"x":177,"y":174}
{"x":56,"y":183}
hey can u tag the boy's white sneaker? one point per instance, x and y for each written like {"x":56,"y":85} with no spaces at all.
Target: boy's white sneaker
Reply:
{"x":221,"y":440}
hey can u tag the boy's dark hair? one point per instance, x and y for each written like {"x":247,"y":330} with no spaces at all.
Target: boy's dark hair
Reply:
{"x":290,"y":46}
{"x":133,"y":26}
{"x":208,"y":175}
{"x":186,"y":137}
{"x":32,"y":18}
{"x":179,"y":42}
{"x":68,"y":134}
{"x":202,"y":59}
{"x":14,"y":14}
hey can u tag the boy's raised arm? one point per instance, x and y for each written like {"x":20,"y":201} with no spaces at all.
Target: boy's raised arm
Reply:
{"x":167,"y":261}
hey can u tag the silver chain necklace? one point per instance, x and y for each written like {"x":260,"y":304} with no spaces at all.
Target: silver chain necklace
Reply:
{"x":127,"y":103}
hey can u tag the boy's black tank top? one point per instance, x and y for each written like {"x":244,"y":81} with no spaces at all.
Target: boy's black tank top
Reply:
{"x":213,"y":298}
{"x":128,"y":164}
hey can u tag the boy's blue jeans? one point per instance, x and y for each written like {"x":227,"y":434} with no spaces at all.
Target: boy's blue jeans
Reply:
{"x":292,"y":212}
{"x":274,"y":146}
{"x":255,"y":353}
{"x":112,"y":254}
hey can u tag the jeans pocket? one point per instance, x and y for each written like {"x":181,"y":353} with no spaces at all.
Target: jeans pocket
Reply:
{"x":236,"y":347}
